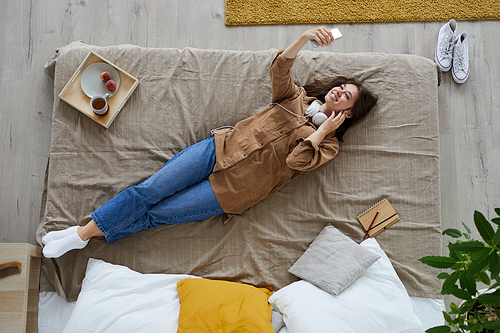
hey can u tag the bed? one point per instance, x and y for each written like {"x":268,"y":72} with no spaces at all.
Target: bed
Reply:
{"x":182,"y":96}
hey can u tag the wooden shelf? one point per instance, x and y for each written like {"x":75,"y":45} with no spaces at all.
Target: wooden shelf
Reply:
{"x":19,"y":292}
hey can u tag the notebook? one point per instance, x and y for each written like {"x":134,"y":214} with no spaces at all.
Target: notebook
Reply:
{"x":386,"y":217}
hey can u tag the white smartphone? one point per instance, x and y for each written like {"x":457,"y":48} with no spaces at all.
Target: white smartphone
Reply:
{"x":336,"y":35}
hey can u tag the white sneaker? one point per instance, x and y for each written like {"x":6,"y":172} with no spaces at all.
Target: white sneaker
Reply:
{"x":460,"y":71}
{"x":444,"y":49}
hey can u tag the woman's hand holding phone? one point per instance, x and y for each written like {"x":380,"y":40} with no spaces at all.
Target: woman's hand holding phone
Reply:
{"x":320,"y":36}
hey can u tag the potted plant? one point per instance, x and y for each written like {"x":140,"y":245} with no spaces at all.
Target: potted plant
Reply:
{"x":469,"y":263}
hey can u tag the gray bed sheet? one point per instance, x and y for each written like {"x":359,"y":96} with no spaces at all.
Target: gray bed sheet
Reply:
{"x":182,"y":95}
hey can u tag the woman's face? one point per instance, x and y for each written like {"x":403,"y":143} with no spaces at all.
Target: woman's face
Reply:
{"x":342,"y":98}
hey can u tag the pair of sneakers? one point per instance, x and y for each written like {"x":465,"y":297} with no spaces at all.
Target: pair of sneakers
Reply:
{"x":452,"y":52}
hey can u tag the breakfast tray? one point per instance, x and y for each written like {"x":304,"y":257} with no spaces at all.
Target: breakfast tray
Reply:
{"x":73,"y":94}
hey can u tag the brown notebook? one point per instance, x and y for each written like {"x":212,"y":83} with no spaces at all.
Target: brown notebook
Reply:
{"x":386,"y":217}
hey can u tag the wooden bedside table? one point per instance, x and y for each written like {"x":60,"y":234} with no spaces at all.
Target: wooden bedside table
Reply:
{"x":19,"y":292}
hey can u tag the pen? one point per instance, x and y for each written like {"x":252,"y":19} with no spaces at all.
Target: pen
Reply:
{"x":371,"y":224}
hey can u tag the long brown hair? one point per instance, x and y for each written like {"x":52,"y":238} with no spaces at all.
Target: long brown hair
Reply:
{"x":362,"y":105}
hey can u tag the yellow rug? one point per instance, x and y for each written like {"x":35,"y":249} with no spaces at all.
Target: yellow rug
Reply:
{"x":259,"y":12}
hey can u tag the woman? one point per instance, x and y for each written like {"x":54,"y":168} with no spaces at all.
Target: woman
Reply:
{"x":228,"y":173}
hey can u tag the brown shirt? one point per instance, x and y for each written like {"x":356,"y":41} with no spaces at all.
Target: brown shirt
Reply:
{"x":269,"y":149}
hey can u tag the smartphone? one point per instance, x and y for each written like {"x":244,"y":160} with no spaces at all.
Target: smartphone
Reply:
{"x":336,"y":35}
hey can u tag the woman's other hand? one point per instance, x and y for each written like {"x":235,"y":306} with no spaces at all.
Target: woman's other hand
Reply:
{"x":322,"y":35}
{"x":333,"y":122}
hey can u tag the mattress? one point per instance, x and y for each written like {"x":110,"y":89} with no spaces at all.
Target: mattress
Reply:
{"x":185,"y":93}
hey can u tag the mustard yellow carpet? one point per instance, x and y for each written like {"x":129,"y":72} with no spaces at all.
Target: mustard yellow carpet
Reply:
{"x":259,"y":12}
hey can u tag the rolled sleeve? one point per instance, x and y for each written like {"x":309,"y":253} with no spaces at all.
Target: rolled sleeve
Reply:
{"x":282,"y":84}
{"x":307,"y":156}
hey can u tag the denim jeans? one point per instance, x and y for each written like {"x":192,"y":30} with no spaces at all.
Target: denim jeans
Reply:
{"x":178,"y":193}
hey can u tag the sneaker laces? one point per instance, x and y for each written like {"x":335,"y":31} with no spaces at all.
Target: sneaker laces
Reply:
{"x":458,"y":60}
{"x":459,"y":64}
{"x":446,"y":47}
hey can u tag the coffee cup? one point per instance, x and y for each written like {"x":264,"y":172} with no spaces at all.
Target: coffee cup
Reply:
{"x":99,"y":104}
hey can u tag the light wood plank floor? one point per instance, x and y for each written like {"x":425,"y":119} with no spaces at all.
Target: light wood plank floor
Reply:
{"x":30,"y":31}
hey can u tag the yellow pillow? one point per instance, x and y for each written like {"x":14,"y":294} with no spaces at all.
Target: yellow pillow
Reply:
{"x":223,"y":306}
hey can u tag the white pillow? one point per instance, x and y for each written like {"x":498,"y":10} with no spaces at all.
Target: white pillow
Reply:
{"x":117,"y":299}
{"x":376,"y":302}
{"x":429,"y":311}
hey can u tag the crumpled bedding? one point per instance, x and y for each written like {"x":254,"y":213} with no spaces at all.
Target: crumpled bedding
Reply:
{"x":182,"y":95}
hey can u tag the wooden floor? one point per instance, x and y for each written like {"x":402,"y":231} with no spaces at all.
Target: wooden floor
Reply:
{"x":30,"y":32}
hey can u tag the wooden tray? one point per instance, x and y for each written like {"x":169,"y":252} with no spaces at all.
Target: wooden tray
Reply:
{"x":74,"y":95}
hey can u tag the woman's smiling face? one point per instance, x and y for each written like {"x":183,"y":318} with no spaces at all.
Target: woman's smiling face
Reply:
{"x":342,"y":98}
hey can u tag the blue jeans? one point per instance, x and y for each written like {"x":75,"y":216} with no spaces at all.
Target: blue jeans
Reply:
{"x":180,"y":192}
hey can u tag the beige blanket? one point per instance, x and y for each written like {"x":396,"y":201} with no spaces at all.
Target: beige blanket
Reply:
{"x":182,"y":95}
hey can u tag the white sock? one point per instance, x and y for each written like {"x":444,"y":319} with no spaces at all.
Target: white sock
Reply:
{"x":58,"y":247}
{"x":54,"y":235}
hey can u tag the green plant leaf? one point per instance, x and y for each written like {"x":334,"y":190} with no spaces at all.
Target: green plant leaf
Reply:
{"x":479,"y":261}
{"x":497,"y":210}
{"x":443,"y":275}
{"x":468,"y":282}
{"x":484,"y":227}
{"x":455,"y":253}
{"x":496,"y":292}
{"x":470,"y":246}
{"x":494,"y":264}
{"x":466,"y":227}
{"x":449,"y":283}
{"x":483,"y":277}
{"x":496,"y":220}
{"x":447,"y":317}
{"x":476,"y":328}
{"x":439,"y":329}
{"x":489,"y":300}
{"x":459,"y":293}
{"x":496,"y":237}
{"x":467,"y":306}
{"x":455,"y":233}
{"x":492,"y":325}
{"x":454,"y":308}
{"x":438,"y":261}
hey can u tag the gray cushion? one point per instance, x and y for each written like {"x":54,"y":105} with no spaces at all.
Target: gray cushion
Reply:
{"x":333,"y":261}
